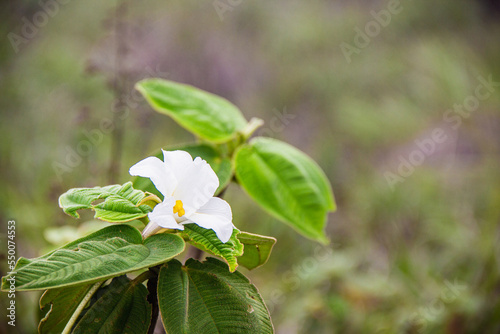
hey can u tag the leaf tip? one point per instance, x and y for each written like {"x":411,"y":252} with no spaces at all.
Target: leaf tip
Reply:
{"x":323,"y":239}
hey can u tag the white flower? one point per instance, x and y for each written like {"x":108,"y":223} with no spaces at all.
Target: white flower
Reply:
{"x":188,"y":187}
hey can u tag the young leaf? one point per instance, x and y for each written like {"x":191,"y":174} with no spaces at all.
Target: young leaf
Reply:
{"x":221,"y":166}
{"x":63,"y":303}
{"x":257,"y":249}
{"x":94,"y":260}
{"x":287,"y":183}
{"x":121,"y":202}
{"x":205,"y":297}
{"x":122,"y":308}
{"x":207,"y":240}
{"x":205,"y":115}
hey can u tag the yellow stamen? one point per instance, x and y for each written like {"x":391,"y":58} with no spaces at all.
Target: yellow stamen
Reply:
{"x":178,"y":208}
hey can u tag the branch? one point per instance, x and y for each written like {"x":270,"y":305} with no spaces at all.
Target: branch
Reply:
{"x":153,"y":298}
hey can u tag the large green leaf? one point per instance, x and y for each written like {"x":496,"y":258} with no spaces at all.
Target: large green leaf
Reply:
{"x":207,"y":240}
{"x":124,"y":231}
{"x":287,"y":183}
{"x":205,"y":297}
{"x":221,"y":166}
{"x":122,"y":308}
{"x":257,"y":249}
{"x":95,"y":260}
{"x":62,"y":303}
{"x":121,"y":202}
{"x":205,"y":115}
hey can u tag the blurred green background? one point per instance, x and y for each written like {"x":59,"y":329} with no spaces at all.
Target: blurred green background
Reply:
{"x":420,"y":255}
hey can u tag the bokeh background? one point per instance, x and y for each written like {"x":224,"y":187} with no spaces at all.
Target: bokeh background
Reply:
{"x":415,"y":255}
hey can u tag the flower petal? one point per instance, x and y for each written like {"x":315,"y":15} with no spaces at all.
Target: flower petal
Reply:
{"x":150,"y":229}
{"x":178,"y":163}
{"x":218,"y":207}
{"x":163,"y":215}
{"x":154,"y":169}
{"x":197,"y":186}
{"x":216,"y":215}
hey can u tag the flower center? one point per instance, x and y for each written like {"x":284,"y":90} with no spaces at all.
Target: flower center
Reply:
{"x":178,"y":208}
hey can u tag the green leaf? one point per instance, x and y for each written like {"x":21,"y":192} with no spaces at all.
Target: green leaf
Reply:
{"x":91,"y":260}
{"x":122,"y":308}
{"x":287,"y":183}
{"x":221,"y":166}
{"x":126,"y":232}
{"x":205,"y":297}
{"x":121,"y":202}
{"x":207,"y":240}
{"x":257,"y":249}
{"x":62,"y":304}
{"x":205,"y":115}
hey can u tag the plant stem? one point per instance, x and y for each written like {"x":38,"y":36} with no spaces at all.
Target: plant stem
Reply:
{"x":119,"y":88}
{"x":153,"y":298}
{"x":142,"y":277}
{"x":80,"y":307}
